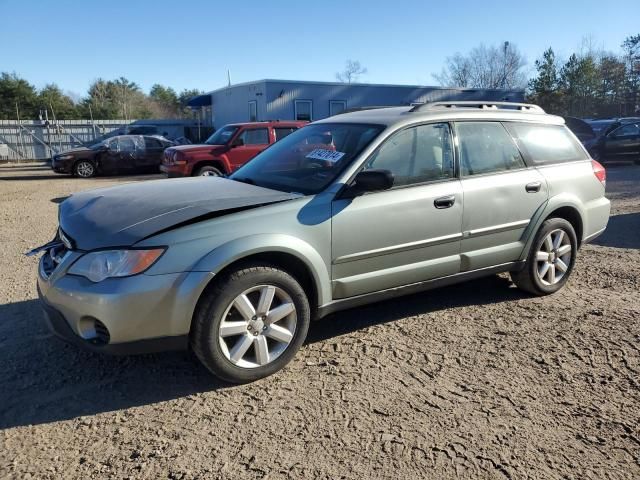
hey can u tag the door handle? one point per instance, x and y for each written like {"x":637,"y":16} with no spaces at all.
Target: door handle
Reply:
{"x":445,"y":202}
{"x":533,"y":187}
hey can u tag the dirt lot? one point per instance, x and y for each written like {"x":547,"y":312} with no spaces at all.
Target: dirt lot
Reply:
{"x":476,"y":381}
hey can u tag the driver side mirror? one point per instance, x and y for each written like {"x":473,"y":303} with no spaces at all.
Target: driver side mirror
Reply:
{"x":373,"y":180}
{"x":238,"y":142}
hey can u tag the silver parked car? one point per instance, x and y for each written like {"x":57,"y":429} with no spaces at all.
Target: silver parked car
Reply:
{"x":356,"y":208}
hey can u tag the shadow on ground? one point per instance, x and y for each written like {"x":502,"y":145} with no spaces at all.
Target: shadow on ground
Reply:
{"x":623,"y":231}
{"x":46,"y":380}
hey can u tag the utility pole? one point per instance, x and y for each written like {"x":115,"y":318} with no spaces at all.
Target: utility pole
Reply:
{"x":504,"y":65}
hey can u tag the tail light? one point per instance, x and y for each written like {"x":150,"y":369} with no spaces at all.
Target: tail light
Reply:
{"x":599,"y":172}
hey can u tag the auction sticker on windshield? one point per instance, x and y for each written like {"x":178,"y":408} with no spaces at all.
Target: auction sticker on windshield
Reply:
{"x":328,"y":155}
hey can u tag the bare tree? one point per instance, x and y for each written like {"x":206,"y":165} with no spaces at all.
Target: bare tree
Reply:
{"x":352,"y":71}
{"x":485,"y":67}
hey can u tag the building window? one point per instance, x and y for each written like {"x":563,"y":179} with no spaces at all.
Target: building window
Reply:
{"x":336,"y":107}
{"x":253,"y":111}
{"x":303,"y":110}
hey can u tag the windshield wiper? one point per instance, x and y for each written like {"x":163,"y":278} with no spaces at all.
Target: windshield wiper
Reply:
{"x":245,"y":180}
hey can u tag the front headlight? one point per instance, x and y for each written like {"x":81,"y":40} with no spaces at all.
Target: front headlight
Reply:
{"x":64,"y":157}
{"x":97,"y":266}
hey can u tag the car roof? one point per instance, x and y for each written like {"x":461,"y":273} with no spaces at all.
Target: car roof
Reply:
{"x":399,"y":116}
{"x":265,"y":123}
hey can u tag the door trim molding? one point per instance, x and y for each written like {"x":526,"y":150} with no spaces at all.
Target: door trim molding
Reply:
{"x":504,"y":227}
{"x":397,"y":248}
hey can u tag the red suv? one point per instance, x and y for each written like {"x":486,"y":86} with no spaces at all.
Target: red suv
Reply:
{"x":227,"y":149}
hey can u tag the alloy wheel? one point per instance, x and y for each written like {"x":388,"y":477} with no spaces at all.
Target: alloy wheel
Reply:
{"x":553,"y":257}
{"x":85,"y":169}
{"x":258,"y":326}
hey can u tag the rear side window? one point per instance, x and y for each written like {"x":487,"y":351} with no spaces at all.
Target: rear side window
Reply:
{"x":282,"y":132}
{"x":486,"y":147}
{"x":545,"y":144}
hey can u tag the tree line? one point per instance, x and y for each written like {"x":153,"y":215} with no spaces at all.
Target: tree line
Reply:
{"x":590,"y":83}
{"x":105,"y":99}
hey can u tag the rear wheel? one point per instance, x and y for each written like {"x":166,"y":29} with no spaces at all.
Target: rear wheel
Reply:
{"x":250,"y":324}
{"x":550,"y":259}
{"x":208,"y":171}
{"x":84,"y":169}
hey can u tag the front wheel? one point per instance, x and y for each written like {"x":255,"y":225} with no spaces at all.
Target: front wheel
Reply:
{"x":250,"y":323}
{"x":208,"y":171}
{"x":551,"y":258}
{"x":84,"y":169}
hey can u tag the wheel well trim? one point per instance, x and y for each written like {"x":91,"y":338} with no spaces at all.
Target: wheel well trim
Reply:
{"x":242,"y":249}
{"x":215,"y":162}
{"x":553,"y":205}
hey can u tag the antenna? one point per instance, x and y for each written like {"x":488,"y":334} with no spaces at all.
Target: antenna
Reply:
{"x":228,"y":77}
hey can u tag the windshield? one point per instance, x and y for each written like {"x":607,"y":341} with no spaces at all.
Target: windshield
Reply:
{"x":309,"y":159}
{"x":222,"y":135}
{"x":99,"y":145}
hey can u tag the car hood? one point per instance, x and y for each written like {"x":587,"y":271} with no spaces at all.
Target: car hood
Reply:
{"x":195,"y":148}
{"x":74,"y":151}
{"x":125,"y":214}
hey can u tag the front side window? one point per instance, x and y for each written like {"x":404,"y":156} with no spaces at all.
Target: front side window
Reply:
{"x":127,"y":145}
{"x":303,"y":110}
{"x":253,"y":111}
{"x":416,"y":155}
{"x":629,"y":130}
{"x":255,"y":136}
{"x":309,"y":159}
{"x":152,"y":143}
{"x":222,"y":135}
{"x":486,"y":147}
{"x":544,"y":144}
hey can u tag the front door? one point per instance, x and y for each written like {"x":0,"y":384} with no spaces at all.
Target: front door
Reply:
{"x":501,"y":195}
{"x":409,"y":233}
{"x":623,"y":142}
{"x":252,"y":142}
{"x":153,"y":150}
{"x":110,"y":160}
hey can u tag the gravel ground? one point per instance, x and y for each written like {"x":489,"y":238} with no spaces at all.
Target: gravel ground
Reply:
{"x":477,"y":380}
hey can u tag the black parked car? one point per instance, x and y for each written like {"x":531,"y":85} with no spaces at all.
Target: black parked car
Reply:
{"x":619,"y":141}
{"x":121,"y":154}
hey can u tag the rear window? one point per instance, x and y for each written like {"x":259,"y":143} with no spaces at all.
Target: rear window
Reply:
{"x":544,"y":144}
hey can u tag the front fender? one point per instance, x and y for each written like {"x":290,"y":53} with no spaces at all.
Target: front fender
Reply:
{"x":229,"y":252}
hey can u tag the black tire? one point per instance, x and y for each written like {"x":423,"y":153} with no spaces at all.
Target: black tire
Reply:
{"x":528,"y":279}
{"x":216,"y":300}
{"x":85,"y":169}
{"x":208,"y":171}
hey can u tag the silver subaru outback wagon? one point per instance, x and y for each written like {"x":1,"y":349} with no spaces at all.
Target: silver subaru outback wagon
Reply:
{"x":353,"y":209}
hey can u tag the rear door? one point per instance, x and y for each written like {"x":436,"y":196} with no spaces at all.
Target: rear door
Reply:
{"x":254,"y":140}
{"x":408,"y":234}
{"x":501,"y":195}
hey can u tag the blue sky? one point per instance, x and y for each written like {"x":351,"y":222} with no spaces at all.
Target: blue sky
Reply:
{"x":192,"y":43}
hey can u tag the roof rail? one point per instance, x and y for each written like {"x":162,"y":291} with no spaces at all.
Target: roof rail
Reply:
{"x":483,"y":105}
{"x":361,"y":109}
